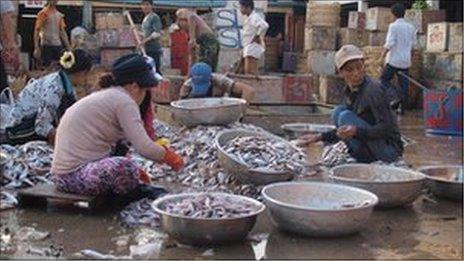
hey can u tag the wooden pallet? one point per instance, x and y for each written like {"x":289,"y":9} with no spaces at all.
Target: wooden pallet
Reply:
{"x":41,"y":195}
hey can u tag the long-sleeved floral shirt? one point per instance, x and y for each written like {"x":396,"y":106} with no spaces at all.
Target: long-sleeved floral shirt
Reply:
{"x":41,"y":97}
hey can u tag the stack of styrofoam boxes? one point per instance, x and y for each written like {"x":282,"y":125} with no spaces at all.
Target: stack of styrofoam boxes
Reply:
{"x":355,"y":33}
{"x":322,"y":24}
{"x":115,"y":38}
{"x":377,"y":21}
{"x":443,"y":56}
{"x":420,"y":19}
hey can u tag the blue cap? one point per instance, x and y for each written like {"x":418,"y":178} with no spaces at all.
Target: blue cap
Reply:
{"x":200,"y":74}
{"x":134,"y":68}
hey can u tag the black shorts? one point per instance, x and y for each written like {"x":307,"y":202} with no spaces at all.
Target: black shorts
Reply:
{"x":51,"y":54}
{"x":3,"y":76}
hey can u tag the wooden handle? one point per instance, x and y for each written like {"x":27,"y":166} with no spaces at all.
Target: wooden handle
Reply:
{"x":413,"y":81}
{"x":134,"y":30}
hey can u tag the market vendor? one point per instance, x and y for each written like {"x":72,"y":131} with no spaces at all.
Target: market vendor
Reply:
{"x":365,"y":121}
{"x":84,"y":160}
{"x":203,"y":44}
{"x":42,"y":102}
{"x":204,"y":83}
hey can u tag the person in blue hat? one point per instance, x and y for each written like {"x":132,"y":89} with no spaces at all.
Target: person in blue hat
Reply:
{"x":204,"y":83}
{"x":85,"y":160}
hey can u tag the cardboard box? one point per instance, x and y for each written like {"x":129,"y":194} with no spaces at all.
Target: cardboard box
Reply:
{"x":421,"y":43}
{"x":421,"y":18}
{"x":321,"y":62}
{"x":108,"y":38}
{"x":455,"y":37}
{"x":437,"y":37}
{"x":327,"y":15}
{"x":376,"y":38}
{"x":227,"y":59}
{"x":357,"y":20}
{"x":302,"y":63}
{"x":443,"y":66}
{"x":100,"y":21}
{"x":372,"y":61}
{"x":108,"y":56}
{"x":114,"y":20}
{"x":331,"y":89}
{"x":166,"y":92}
{"x":126,"y":37}
{"x":378,"y":19}
{"x":268,"y":89}
{"x":443,"y":85}
{"x":298,"y":88}
{"x":351,"y":36}
{"x":320,"y":38}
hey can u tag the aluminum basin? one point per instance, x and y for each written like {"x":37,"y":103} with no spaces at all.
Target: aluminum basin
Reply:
{"x":318,"y":209}
{"x":394,"y":186}
{"x":208,"y":111}
{"x":243,"y":172}
{"x":445,"y":181}
{"x":206,"y":231}
{"x":296,"y":130}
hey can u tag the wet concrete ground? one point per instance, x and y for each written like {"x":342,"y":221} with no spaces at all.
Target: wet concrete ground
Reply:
{"x":429,"y":229}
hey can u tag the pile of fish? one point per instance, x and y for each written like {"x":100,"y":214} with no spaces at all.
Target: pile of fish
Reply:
{"x":336,"y":154}
{"x":211,"y":206}
{"x":26,"y":165}
{"x":264,"y":153}
{"x":201,"y":171}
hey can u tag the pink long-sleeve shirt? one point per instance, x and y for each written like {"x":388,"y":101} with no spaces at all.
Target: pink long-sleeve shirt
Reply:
{"x":90,"y":129}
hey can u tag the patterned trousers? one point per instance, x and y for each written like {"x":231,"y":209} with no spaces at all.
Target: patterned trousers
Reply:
{"x":112,"y":175}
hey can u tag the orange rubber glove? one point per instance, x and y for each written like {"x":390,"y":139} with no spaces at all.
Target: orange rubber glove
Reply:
{"x":176,"y":162}
{"x":144,"y":177}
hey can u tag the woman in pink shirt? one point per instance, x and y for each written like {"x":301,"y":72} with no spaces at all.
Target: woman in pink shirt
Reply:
{"x":85,"y":159}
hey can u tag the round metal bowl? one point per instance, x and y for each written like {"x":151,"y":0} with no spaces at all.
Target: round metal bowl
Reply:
{"x":208,"y":111}
{"x":243,"y":172}
{"x":444,"y":181}
{"x":296,"y":130}
{"x":394,"y":186}
{"x":206,"y":231}
{"x":318,"y":209}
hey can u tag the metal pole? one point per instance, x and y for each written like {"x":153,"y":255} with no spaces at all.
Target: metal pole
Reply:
{"x":87,"y":15}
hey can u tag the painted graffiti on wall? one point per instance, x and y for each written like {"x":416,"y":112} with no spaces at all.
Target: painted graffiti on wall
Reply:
{"x":228,"y":22}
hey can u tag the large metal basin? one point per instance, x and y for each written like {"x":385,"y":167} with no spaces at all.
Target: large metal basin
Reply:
{"x":244,"y":173}
{"x":208,"y":111}
{"x":201,"y":231}
{"x":444,"y":181}
{"x":394,"y":186}
{"x":318,"y":209}
{"x":296,"y":130}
